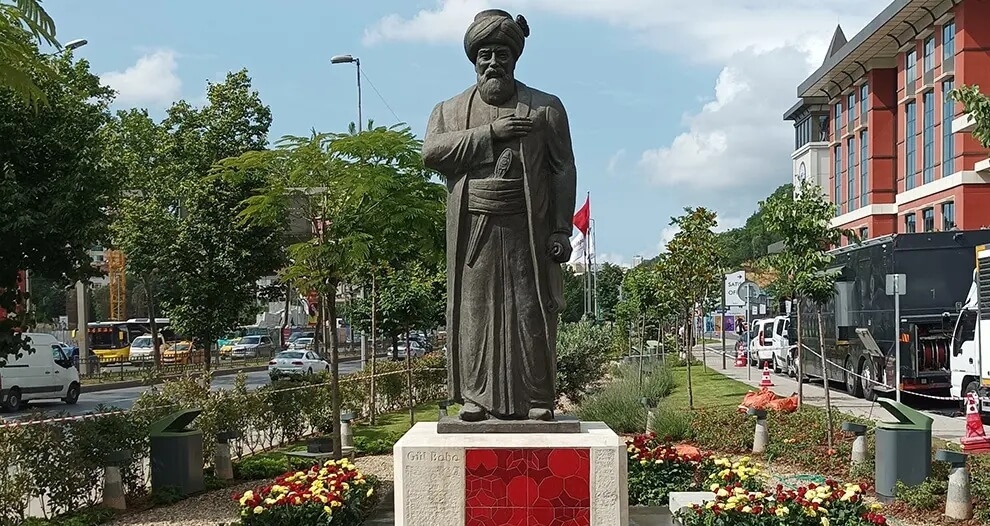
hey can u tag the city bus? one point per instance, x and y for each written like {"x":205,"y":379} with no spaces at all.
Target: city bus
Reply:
{"x":111,"y":341}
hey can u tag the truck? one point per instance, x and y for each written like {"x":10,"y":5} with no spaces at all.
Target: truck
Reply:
{"x":859,"y":325}
{"x":970,"y":360}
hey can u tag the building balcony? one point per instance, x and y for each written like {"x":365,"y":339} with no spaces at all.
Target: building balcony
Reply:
{"x":983,"y":167}
{"x":963,"y":123}
{"x":864,"y":212}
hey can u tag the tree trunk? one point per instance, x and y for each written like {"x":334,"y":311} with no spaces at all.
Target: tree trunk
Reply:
{"x":687,"y":354}
{"x":156,"y":354}
{"x":828,"y":396}
{"x":409,"y":382}
{"x":331,"y":309}
{"x":395,"y":347}
{"x":799,"y":368}
{"x":285,"y":318}
{"x":374,"y":347}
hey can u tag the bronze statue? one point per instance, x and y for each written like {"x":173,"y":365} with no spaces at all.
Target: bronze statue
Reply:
{"x":505,"y":151}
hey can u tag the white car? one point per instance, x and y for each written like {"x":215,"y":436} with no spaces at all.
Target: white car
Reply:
{"x":302,"y":344}
{"x":297,"y":362}
{"x":142,"y":350}
{"x":415,"y":350}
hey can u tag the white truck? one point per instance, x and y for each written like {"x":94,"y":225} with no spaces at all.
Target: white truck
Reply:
{"x":970,"y":354}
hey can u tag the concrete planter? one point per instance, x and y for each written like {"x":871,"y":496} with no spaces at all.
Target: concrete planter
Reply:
{"x":650,"y":516}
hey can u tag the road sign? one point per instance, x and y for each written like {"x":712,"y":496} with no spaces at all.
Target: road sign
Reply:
{"x":749,"y":291}
{"x":898,"y":283}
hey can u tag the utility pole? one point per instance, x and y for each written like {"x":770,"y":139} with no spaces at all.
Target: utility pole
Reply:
{"x":722,"y":327}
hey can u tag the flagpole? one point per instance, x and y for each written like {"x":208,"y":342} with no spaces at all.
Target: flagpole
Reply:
{"x":594,"y":266}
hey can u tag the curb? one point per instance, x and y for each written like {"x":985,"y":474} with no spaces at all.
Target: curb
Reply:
{"x":127,"y":384}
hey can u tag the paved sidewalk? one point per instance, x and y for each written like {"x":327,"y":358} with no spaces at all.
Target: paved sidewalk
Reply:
{"x":944,"y":427}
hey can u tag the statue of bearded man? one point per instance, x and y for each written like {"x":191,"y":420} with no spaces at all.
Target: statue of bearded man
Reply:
{"x":505,"y":151}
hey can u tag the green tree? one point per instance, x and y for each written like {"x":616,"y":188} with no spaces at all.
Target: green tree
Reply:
{"x":977,"y":105}
{"x":24,"y":24}
{"x":345,"y":189}
{"x":803,"y":221}
{"x":573,"y":296}
{"x":749,"y":242}
{"x":692,"y":270}
{"x":609,"y":278}
{"x":55,"y":191}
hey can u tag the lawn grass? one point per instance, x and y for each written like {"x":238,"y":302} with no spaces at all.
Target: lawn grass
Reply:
{"x":711,"y":389}
{"x":397,"y":423}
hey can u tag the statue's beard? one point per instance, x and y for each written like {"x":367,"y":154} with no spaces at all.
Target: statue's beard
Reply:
{"x":496,"y":89}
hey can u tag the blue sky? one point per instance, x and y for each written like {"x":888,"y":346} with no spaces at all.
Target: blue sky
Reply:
{"x":671,"y":103}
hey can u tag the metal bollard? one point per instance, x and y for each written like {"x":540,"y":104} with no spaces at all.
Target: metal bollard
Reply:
{"x":958,"y":500}
{"x":223,"y":467}
{"x":859,"y":443}
{"x":444,"y":405}
{"x":760,"y":437}
{"x":346,"y":431}
{"x":650,"y":416}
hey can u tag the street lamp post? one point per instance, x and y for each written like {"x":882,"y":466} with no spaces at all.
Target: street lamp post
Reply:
{"x":348,"y":59}
{"x":70,"y":45}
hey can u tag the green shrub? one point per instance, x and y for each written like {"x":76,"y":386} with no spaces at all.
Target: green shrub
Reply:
{"x":377,"y":446}
{"x":93,"y":516}
{"x":583,"y":350}
{"x":927,"y":496}
{"x":620,"y":403}
{"x":979,"y":472}
{"x":258,"y":467}
{"x":672,"y":423}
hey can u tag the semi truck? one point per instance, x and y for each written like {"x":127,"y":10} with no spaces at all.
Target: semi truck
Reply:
{"x":970,"y":359}
{"x":859,"y":322}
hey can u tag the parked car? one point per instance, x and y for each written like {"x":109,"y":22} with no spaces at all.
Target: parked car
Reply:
{"x":303,"y":344}
{"x":252,"y":347}
{"x":142,"y":350}
{"x":181,"y":353}
{"x":415,"y":350}
{"x":44,"y":373}
{"x":296,"y":362}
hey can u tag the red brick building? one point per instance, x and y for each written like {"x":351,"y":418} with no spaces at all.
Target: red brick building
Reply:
{"x":876,"y":130}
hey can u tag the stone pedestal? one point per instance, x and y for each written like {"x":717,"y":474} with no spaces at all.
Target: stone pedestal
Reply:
{"x":511,"y":479}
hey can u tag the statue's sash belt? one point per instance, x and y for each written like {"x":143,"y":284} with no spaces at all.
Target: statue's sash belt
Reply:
{"x":496,"y":197}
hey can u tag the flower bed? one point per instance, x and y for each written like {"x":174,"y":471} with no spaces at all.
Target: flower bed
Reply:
{"x":334,"y":494}
{"x":658,"y":467}
{"x":827,"y":505}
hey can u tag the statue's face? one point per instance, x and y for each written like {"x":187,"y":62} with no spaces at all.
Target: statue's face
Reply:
{"x":495,"y":67}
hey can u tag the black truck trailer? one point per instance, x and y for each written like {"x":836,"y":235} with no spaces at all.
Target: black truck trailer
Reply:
{"x":859,"y":322}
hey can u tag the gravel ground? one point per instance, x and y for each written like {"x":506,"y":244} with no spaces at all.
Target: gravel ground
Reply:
{"x":219,"y":508}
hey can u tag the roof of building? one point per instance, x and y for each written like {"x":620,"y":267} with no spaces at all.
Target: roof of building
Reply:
{"x":838,"y":40}
{"x":899,"y":23}
{"x":804,"y":106}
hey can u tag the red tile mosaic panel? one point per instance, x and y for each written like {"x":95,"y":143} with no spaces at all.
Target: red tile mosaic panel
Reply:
{"x":528,"y":487}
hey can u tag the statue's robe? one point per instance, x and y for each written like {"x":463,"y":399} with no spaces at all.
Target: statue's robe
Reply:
{"x":504,"y":291}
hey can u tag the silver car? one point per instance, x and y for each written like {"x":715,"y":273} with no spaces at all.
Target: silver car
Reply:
{"x":252,"y":347}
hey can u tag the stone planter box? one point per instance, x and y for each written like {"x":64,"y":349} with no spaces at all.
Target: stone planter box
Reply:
{"x":650,"y":516}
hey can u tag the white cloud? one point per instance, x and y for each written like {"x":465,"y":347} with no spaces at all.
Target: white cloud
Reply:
{"x":613,"y":258}
{"x":612,"y":169}
{"x":152,"y":80}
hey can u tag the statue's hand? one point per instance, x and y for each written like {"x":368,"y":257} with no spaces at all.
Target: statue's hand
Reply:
{"x":511,"y":127}
{"x":560,"y":248}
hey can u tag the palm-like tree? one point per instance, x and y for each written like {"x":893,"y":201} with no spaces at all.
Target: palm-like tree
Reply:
{"x":23,"y":25}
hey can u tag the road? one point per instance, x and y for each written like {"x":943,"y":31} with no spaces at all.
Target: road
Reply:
{"x":124,"y":398}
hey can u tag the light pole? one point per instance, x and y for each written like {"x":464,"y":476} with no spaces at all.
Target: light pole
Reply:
{"x":70,"y":45}
{"x":348,"y":59}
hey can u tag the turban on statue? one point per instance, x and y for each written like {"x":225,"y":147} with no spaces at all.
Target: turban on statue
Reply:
{"x":495,"y":26}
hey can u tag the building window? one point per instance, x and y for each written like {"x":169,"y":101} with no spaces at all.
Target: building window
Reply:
{"x":949,"y":40}
{"x":864,"y":233}
{"x":948,"y":216}
{"x":851,"y":174}
{"x":929,"y":56}
{"x":911,"y":67}
{"x":910,"y":146}
{"x":864,"y":103}
{"x":837,"y":177}
{"x":928,"y":136}
{"x":838,"y":121}
{"x":851,"y":102}
{"x":864,"y":173}
{"x":948,"y":144}
{"x":802,"y":133}
{"x":928,"y":219}
{"x":909,"y":227}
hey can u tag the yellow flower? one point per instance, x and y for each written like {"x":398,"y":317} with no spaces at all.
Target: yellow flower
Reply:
{"x":714,"y":487}
{"x":327,"y":510}
{"x":781,"y":511}
{"x":370,"y":491}
{"x":722,"y":493}
{"x":876,"y":506}
{"x":659,"y":461}
{"x":258,"y":510}
{"x":759,"y":495}
{"x":744,"y":459}
{"x":809,"y":495}
{"x":269,"y":501}
{"x":710,"y":504}
{"x":747,"y":509}
{"x":644,"y":462}
{"x":825,"y":521}
{"x":335,"y":504}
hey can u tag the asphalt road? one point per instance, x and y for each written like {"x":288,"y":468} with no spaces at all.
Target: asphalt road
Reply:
{"x":124,"y":398}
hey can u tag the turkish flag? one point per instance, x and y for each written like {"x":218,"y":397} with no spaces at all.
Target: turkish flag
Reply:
{"x":582,"y":222}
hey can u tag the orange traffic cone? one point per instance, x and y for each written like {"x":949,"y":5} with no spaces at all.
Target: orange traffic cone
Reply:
{"x":741,"y":358}
{"x":976,"y":440}
{"x":766,"y":381}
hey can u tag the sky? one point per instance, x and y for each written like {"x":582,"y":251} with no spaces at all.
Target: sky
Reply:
{"x":672,"y":104}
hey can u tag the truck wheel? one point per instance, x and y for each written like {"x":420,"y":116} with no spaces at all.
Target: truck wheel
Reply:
{"x":13,"y":401}
{"x":776,"y":364}
{"x":867,"y":370}
{"x":72,"y":395}
{"x":853,"y":387}
{"x":973,"y":386}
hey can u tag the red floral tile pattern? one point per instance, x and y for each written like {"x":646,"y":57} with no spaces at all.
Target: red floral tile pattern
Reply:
{"x":528,"y":487}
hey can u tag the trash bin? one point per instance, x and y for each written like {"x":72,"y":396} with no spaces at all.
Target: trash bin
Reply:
{"x":177,"y":453}
{"x":903,"y":449}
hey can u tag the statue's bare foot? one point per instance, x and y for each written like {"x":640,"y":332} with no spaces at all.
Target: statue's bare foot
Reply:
{"x":538,"y":413}
{"x":472,"y":412}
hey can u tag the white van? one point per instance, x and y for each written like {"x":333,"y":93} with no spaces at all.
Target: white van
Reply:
{"x":44,"y":374}
{"x":771,"y":343}
{"x":761,"y":349}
